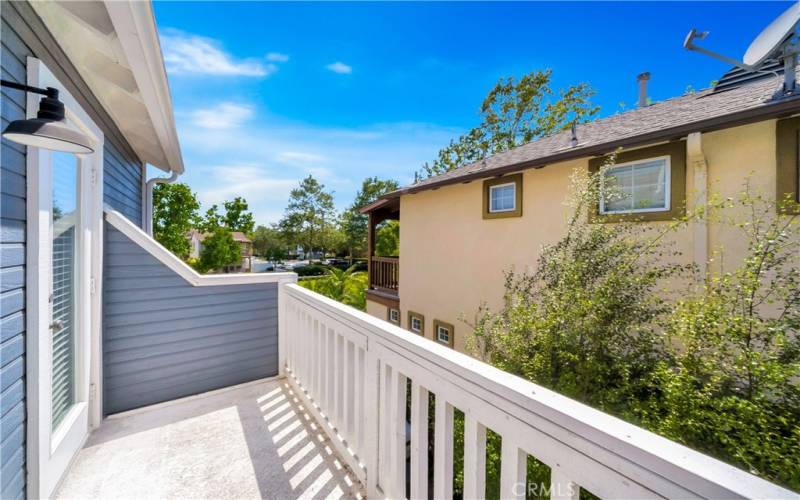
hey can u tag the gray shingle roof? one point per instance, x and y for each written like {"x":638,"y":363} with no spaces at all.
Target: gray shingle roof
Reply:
{"x":702,"y":111}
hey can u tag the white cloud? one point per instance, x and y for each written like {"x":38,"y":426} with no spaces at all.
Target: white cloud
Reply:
{"x":185,"y":53}
{"x":299,"y":158}
{"x":277,"y":57}
{"x":224,"y":115}
{"x":340,"y":67}
{"x":268,"y":158}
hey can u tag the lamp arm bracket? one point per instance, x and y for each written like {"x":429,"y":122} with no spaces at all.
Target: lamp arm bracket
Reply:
{"x":49,"y":91}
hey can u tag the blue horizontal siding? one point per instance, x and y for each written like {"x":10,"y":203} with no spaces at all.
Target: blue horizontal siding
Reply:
{"x":164,"y":338}
{"x":13,"y":57}
{"x":122,"y":183}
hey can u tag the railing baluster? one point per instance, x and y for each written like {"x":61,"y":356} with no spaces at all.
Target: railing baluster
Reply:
{"x":330,"y":387}
{"x":443,"y":450}
{"x":419,"y":442}
{"x":340,"y":396}
{"x":301,"y":344}
{"x":312,"y":349}
{"x":513,"y":470}
{"x":349,"y":385}
{"x":320,"y":359}
{"x":474,"y":458}
{"x":385,"y":412}
{"x":397,"y":438}
{"x":372,"y":407}
{"x":561,"y":487}
{"x":360,"y":413}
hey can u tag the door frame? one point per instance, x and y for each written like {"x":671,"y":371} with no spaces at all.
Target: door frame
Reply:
{"x":51,"y":451}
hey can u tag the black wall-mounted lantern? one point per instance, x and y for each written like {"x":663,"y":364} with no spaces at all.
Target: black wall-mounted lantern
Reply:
{"x":49,"y":130}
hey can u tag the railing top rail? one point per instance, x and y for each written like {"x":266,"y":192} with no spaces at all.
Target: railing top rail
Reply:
{"x":392,"y":260}
{"x":638,"y":454}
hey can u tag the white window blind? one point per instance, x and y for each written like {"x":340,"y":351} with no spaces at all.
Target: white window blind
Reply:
{"x":64,"y":220}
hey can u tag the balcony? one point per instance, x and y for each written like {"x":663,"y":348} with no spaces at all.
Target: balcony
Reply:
{"x":384,"y":271}
{"x":231,"y":387}
{"x":384,"y":274}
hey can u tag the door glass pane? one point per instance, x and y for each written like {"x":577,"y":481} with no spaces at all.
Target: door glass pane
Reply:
{"x":64,"y":220}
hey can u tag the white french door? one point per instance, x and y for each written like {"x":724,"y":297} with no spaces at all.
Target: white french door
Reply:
{"x":64,"y":231}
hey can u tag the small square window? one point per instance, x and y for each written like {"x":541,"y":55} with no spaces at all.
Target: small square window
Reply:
{"x":416,"y":323}
{"x":637,"y":187}
{"x":503,"y":198}
{"x":394,"y":316}
{"x":444,"y":332}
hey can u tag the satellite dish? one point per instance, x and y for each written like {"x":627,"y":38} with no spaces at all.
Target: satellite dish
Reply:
{"x":780,"y":40}
{"x":773,"y":37}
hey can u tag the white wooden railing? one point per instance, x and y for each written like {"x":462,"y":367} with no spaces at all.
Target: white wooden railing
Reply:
{"x":351,"y":371}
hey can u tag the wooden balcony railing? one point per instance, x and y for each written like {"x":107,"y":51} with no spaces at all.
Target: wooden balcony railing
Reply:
{"x":351,"y":371}
{"x":384,"y":273}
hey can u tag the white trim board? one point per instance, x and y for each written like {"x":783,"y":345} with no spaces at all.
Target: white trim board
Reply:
{"x":154,"y":248}
{"x":51,"y":451}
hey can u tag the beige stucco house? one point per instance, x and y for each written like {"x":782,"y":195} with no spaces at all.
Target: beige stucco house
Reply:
{"x":461,"y":230}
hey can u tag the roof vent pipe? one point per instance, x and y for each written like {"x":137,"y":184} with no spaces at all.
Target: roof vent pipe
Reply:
{"x":642,"y":79}
{"x":148,"y":206}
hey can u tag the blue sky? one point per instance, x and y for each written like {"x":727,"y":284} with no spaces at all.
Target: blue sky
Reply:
{"x":267,"y":93}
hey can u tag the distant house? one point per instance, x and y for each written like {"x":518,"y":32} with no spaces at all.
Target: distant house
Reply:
{"x":196,"y":238}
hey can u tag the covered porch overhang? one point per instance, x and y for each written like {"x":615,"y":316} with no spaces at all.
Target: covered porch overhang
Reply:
{"x":383,"y":271}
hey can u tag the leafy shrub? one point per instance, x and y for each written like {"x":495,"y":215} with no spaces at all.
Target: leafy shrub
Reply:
{"x":715,"y":367}
{"x":347,"y":287}
{"x":585,"y":323}
{"x":728,"y":384}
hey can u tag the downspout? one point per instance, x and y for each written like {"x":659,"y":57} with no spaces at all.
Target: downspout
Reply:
{"x":148,"y":211}
{"x":697,"y":159}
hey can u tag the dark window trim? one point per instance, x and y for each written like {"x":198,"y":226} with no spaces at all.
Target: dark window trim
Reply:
{"x":488,"y":183}
{"x":436,"y":324}
{"x":677,"y":164}
{"x":412,"y":314}
{"x":787,"y":157}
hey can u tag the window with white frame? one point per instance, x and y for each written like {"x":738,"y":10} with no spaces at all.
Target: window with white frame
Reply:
{"x":416,"y":324}
{"x":394,"y":316}
{"x":503,"y":198}
{"x":637,"y":186}
{"x":444,"y":334}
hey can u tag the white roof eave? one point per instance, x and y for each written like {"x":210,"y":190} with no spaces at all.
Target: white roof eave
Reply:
{"x":135,"y":27}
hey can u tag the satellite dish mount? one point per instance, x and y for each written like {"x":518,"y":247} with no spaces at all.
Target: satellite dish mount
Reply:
{"x":779,"y":41}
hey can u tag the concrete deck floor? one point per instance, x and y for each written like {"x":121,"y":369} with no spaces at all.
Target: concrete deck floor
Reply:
{"x":251,"y":441}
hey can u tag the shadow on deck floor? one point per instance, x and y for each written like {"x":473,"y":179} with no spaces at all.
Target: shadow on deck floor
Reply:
{"x":251,"y":441}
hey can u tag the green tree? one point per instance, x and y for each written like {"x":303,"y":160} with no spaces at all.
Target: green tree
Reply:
{"x":237,"y":217}
{"x":268,"y":243}
{"x":309,"y":212}
{"x":175,"y":209}
{"x":353,"y":222}
{"x":219,"y":250}
{"x":211,"y":220}
{"x":516,"y":112}
{"x":332,"y":239}
{"x":387,"y":239}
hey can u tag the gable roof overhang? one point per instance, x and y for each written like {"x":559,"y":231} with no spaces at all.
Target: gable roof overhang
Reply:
{"x":673,"y":119}
{"x":115,"y":48}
